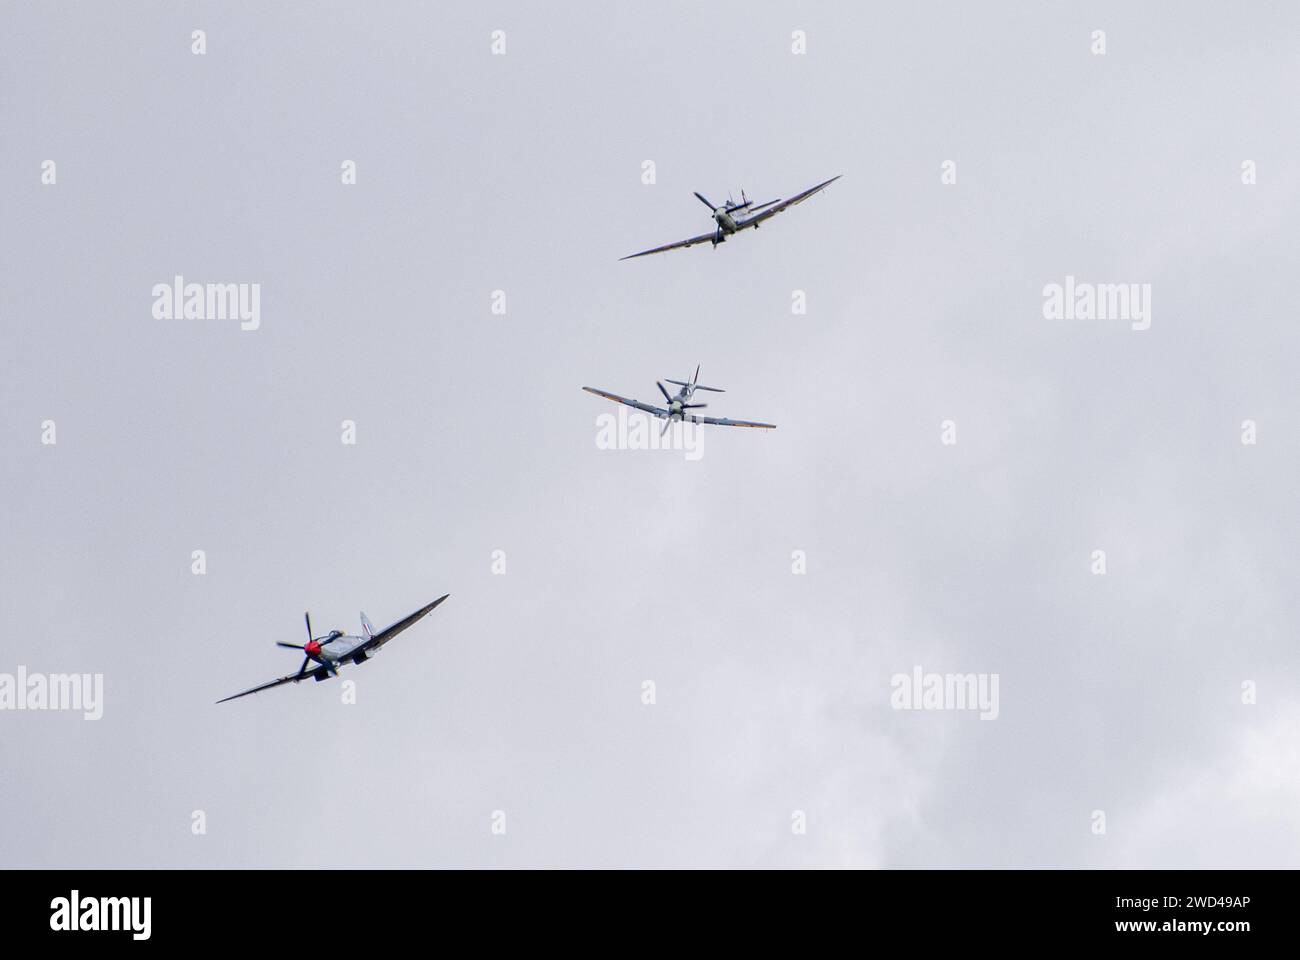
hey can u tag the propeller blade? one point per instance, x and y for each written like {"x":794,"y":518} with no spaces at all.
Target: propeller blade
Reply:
{"x":664,"y":391}
{"x":307,"y":616}
{"x":693,"y":406}
{"x":696,"y":379}
{"x":668,"y":422}
{"x":704,"y":200}
{"x":303,"y":668}
{"x":291,"y":646}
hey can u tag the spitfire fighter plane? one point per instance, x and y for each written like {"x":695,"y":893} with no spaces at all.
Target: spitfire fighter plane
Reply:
{"x":732,"y":217}
{"x":335,"y":649}
{"x":679,"y":403}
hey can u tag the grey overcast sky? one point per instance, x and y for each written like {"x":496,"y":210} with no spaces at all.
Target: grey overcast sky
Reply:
{"x":1121,"y":693}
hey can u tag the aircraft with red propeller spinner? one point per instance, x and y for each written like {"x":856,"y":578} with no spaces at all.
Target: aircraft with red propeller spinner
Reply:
{"x":336,"y":649}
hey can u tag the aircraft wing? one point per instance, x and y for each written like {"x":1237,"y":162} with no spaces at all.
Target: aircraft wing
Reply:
{"x":724,"y":422}
{"x":780,"y":205}
{"x":383,"y":636}
{"x":673,"y":246}
{"x":292,"y":678}
{"x":656,"y":411}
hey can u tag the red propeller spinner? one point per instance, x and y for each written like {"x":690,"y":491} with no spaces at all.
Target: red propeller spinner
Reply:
{"x":311,"y":649}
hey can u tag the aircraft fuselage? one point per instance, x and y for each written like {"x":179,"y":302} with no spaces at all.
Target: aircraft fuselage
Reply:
{"x":675,"y":406}
{"x":336,"y":650}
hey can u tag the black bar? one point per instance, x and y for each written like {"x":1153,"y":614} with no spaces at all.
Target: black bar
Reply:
{"x":970,"y":908}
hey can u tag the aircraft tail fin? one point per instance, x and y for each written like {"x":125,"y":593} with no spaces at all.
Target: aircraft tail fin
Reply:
{"x":366,"y":627}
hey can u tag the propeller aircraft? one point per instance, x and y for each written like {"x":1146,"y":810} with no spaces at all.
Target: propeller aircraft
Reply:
{"x":732,"y":217}
{"x":335,"y":649}
{"x":679,"y":403}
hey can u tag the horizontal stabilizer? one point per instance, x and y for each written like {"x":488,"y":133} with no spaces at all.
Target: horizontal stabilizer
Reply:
{"x":697,"y":386}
